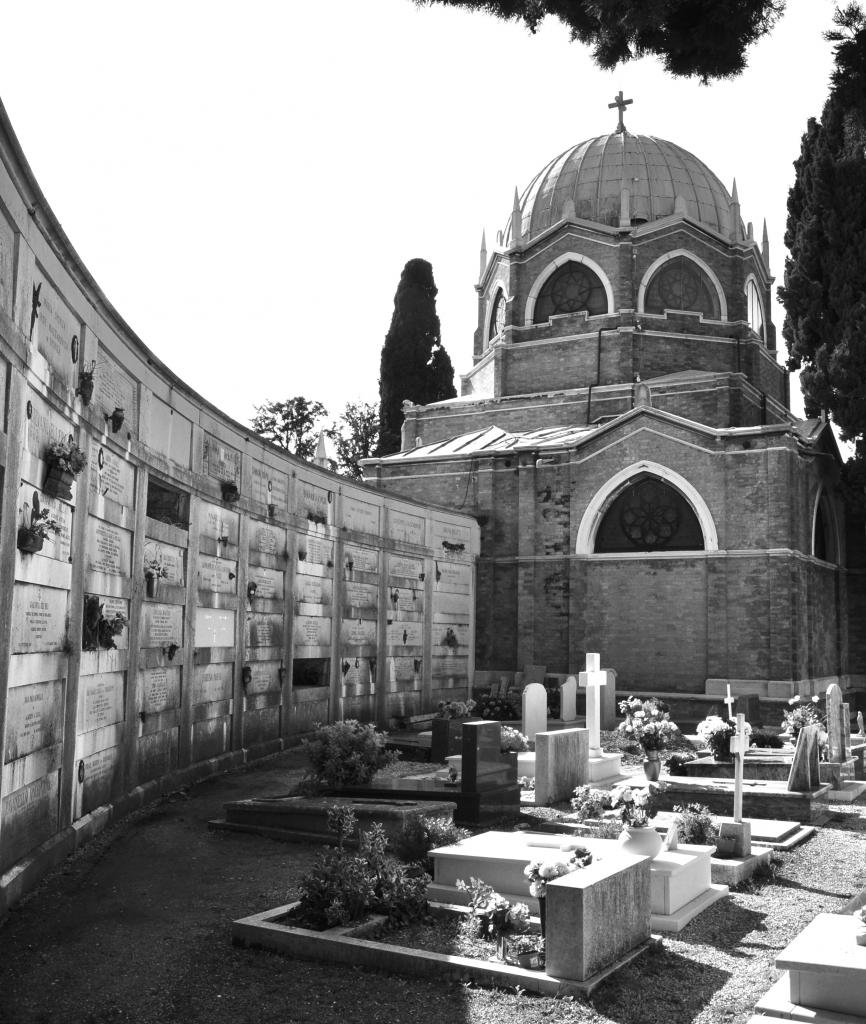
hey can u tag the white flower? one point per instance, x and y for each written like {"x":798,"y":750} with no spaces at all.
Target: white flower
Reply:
{"x":640,"y":799}
{"x":536,"y":888}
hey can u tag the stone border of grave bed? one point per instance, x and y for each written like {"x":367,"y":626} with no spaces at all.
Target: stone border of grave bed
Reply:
{"x":346,"y":944}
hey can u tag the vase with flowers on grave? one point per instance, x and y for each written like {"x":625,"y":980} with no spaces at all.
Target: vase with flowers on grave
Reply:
{"x":636,"y":807}
{"x":648,"y":722}
{"x":491,"y":916}
{"x":65,"y":461}
{"x":716,"y":734}
{"x":540,"y":872}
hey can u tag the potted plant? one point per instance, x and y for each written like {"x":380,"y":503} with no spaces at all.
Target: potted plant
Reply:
{"x":65,"y":461}
{"x":636,"y":807}
{"x":32,"y":537}
{"x":111,"y":628}
{"x":491,"y":916}
{"x":154,"y":571}
{"x":801,"y":711}
{"x":650,"y":724}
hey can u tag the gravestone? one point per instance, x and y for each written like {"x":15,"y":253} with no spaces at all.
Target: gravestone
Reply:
{"x":606,"y":696}
{"x":568,"y":700}
{"x":737,"y":834}
{"x":597,"y":681}
{"x":860,"y":726}
{"x":534,"y":700}
{"x":488,"y":779}
{"x":846,"y":729}
{"x":804,"y":774}
{"x":835,"y":729}
{"x":561,"y":764}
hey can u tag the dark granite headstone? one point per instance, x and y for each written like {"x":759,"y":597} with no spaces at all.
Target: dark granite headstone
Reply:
{"x":749,"y":704}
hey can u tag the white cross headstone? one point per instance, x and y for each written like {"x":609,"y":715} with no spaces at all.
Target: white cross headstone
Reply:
{"x":739,"y":745}
{"x":730,"y":701}
{"x":593,"y":679}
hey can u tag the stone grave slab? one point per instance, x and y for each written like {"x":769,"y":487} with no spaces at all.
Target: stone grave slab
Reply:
{"x":682,"y":886}
{"x":561,"y":764}
{"x":826,"y":969}
{"x":583,"y":936}
{"x":568,"y":700}
{"x":305,"y":819}
{"x":446,"y":737}
{"x":761,"y":799}
{"x":775,"y":767}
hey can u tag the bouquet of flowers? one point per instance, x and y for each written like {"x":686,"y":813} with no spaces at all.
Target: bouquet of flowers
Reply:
{"x":540,"y":872}
{"x":647,"y":723}
{"x":455,"y":708}
{"x":800,"y":712}
{"x":590,"y":803}
{"x":511,"y":740}
{"x":637,"y":806}
{"x":716,"y":733}
{"x":494,"y":915}
{"x":67,"y":456}
{"x":497,"y":709}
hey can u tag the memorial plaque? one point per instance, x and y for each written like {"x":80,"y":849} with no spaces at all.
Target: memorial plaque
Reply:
{"x":450,"y":537}
{"x":452,"y":605}
{"x":169,"y":557}
{"x":44,"y":426}
{"x":360,"y":515}
{"x":404,"y":670}
{"x":7,"y":264}
{"x":108,"y":547}
{"x":162,"y":624}
{"x":406,"y":599}
{"x":215,"y":522}
{"x":219,"y":461}
{"x":100,"y":701}
{"x":460,"y":630}
{"x":410,"y":568}
{"x":265,"y":630}
{"x":312,"y":500}
{"x":404,"y":634}
{"x":160,"y":689}
{"x":362,"y":559}
{"x":269,"y":583}
{"x":55,"y":327}
{"x":361,"y":595}
{"x":57,"y":545}
{"x":319,"y":552}
{"x":268,"y":540}
{"x":101,"y":778}
{"x":111,"y":476}
{"x":214,"y":627}
{"x":269,"y":487}
{"x":312,"y":631}
{"x":116,"y":389}
{"x":34,"y":718}
{"x":211,"y":683}
{"x":38,"y":618}
{"x":312,"y":589}
{"x":454,"y":576}
{"x":168,"y":432}
{"x":217,"y":575}
{"x":29,"y":817}
{"x":405,"y":527}
{"x":265,"y":677}
{"x":358,"y":632}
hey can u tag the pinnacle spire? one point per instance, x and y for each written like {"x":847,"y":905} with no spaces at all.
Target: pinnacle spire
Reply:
{"x":765,"y":245}
{"x":483,"y":254}
{"x":516,"y":220}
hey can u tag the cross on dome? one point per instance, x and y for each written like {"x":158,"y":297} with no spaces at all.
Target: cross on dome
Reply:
{"x":621,"y":104}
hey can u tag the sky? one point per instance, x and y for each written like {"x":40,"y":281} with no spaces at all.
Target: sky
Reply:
{"x":247,"y":181}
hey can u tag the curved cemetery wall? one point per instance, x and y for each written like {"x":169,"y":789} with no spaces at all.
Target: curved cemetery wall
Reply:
{"x":289,"y":595}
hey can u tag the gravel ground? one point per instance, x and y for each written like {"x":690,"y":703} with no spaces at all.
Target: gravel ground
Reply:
{"x":135,"y":928}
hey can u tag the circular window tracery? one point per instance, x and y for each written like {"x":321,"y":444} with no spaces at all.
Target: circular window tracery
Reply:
{"x":649,"y":515}
{"x":572,"y":288}
{"x":682,"y":284}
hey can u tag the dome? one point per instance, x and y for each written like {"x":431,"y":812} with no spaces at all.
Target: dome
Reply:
{"x":593,"y":174}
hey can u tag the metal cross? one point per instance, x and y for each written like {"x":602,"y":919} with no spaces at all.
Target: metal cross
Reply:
{"x":621,"y":104}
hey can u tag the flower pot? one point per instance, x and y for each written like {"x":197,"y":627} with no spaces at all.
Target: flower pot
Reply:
{"x":501,"y":948}
{"x":652,"y":765}
{"x":860,"y":936}
{"x":85,"y":389}
{"x":542,"y":915}
{"x":530,"y":961}
{"x":59,"y":482}
{"x":151,"y":585}
{"x":725,"y":846}
{"x":28,"y":541}
{"x":641,"y":840}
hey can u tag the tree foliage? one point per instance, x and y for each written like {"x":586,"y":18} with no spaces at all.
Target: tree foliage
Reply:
{"x":825,"y":275}
{"x":414,"y":366}
{"x":355,"y":436}
{"x":703,"y":38}
{"x":291,"y":424}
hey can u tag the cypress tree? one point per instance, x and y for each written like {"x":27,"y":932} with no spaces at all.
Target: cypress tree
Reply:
{"x":824,"y":292}
{"x":414,"y":365}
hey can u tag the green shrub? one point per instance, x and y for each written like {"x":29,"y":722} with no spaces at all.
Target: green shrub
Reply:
{"x":345,"y":886}
{"x":765,"y":738}
{"x":421,"y":834}
{"x":676,"y":762}
{"x":497,"y":709}
{"x":346,"y":754}
{"x":695,"y":825}
{"x":590,"y":803}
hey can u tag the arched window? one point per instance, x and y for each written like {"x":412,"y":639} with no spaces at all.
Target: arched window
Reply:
{"x":571,"y":288}
{"x":823,"y":533}
{"x":649,"y":515}
{"x":754,"y":309}
{"x":681,"y":284}
{"x":497,"y":316}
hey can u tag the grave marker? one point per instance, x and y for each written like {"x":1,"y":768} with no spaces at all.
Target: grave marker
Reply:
{"x":534,"y":700}
{"x":593,"y":679}
{"x":739,"y":832}
{"x":804,"y":768}
{"x":568,"y":700}
{"x":835,"y":729}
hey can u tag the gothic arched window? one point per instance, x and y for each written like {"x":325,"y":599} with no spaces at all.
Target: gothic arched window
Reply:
{"x":571,"y":288}
{"x":649,"y":515}
{"x":681,"y":284}
{"x":497,"y":316}
{"x":754,"y":309}
{"x":823,"y":533}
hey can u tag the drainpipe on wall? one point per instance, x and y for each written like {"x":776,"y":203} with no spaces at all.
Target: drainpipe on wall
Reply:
{"x":597,"y":377}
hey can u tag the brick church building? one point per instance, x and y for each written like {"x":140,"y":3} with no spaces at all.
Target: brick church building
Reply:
{"x":625,"y":440}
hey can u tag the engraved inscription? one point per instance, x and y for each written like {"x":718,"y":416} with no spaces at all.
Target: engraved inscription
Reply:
{"x":312,"y":499}
{"x":269,"y":487}
{"x":362,"y":559}
{"x":267,"y":539}
{"x":162,"y":625}
{"x":217,"y":575}
{"x":169,"y":557}
{"x":101,"y":701}
{"x":312,"y":631}
{"x":7,"y":249}
{"x":211,"y":683}
{"x":38,"y":619}
{"x":409,"y":567}
{"x":116,"y":390}
{"x":221,"y":462}
{"x":269,"y":584}
{"x":214,"y":627}
{"x":219,"y":522}
{"x":360,"y":515}
{"x":110,"y":476}
{"x":54,"y":329}
{"x":404,"y":527}
{"x":160,"y":688}
{"x":33,"y":718}
{"x":403,"y":634}
{"x":108,"y":547}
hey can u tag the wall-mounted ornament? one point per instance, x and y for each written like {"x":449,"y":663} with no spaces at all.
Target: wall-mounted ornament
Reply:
{"x":31,"y":537}
{"x":252,"y":588}
{"x":74,"y":349}
{"x":246,"y":676}
{"x":85,"y":384}
{"x":230,"y":492}
{"x":65,"y":461}
{"x":35,"y":303}
{"x":115,"y":418}
{"x":170,"y":650}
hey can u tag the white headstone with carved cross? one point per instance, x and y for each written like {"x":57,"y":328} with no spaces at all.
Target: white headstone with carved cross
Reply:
{"x":737,"y":833}
{"x":592,"y":680}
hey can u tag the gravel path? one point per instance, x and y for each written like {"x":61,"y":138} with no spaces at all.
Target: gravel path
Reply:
{"x":135,"y":928}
